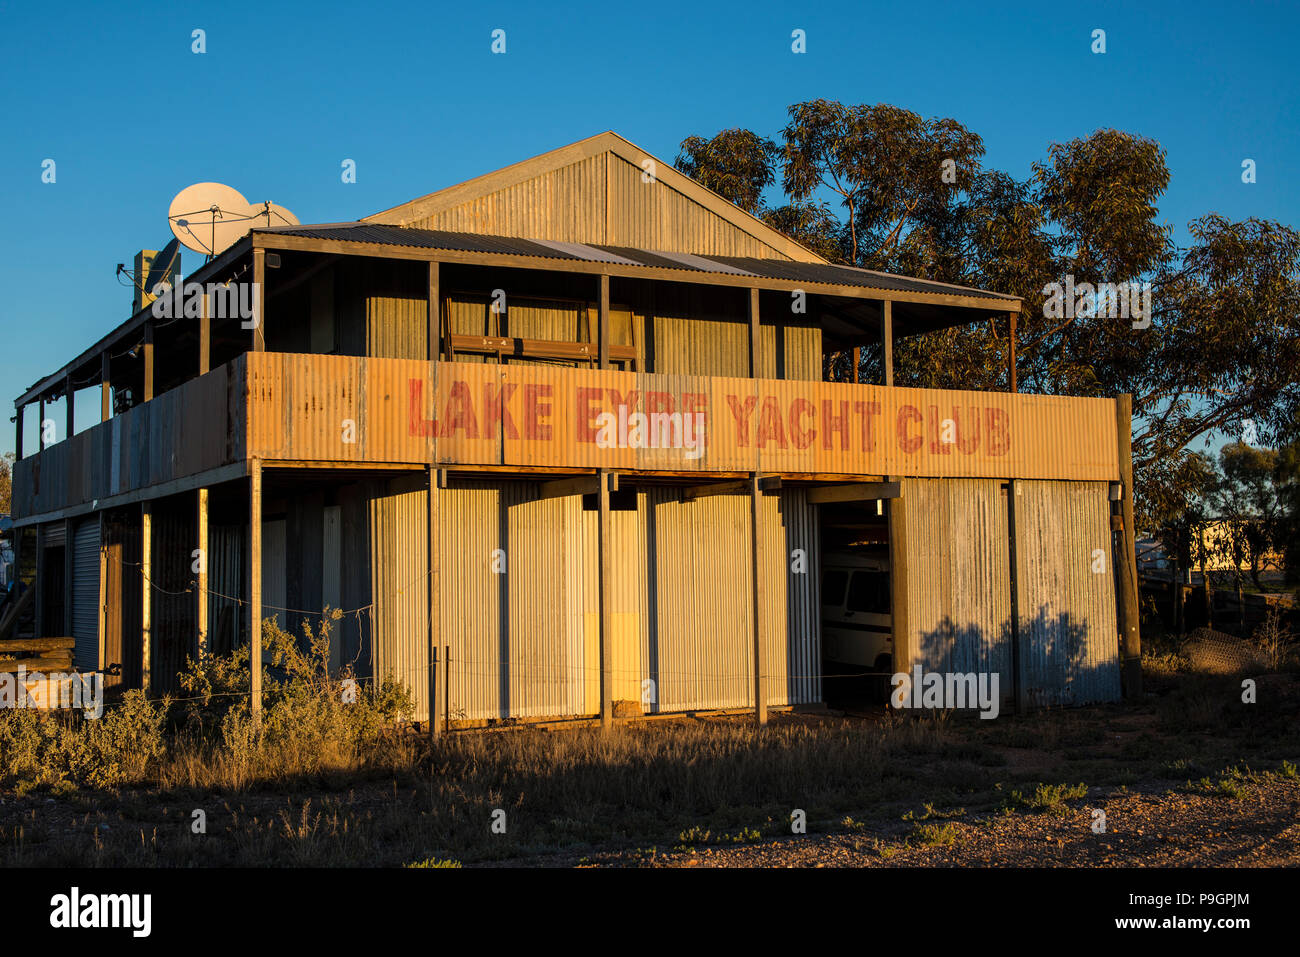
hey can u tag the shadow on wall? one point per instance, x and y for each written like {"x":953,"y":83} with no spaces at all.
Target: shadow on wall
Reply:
{"x":1063,"y":662}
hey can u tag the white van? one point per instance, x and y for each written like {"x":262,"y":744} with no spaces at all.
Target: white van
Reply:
{"x":857,"y":626}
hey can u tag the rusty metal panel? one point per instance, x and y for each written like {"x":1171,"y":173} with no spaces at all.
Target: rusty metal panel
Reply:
{"x":399,"y":567}
{"x":958,"y":557}
{"x":547,"y":415}
{"x":1068,"y":631}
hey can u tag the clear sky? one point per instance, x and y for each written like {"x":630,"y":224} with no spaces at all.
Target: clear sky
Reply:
{"x":413,"y":94}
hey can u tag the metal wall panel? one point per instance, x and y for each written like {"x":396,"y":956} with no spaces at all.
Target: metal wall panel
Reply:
{"x":275,"y":600}
{"x":472,"y":598}
{"x":85,"y":594}
{"x":959,"y":606}
{"x":297,"y":405}
{"x":399,"y":546}
{"x":565,"y":204}
{"x":652,"y":215}
{"x":1068,"y":631}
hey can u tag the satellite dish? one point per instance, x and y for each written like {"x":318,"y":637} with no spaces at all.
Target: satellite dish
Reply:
{"x":209,"y":217}
{"x":272,"y":214}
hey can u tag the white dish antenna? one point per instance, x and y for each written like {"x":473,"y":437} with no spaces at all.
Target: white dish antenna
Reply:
{"x":210,"y":217}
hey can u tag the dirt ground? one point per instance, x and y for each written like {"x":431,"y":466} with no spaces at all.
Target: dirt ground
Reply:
{"x":1261,"y":829}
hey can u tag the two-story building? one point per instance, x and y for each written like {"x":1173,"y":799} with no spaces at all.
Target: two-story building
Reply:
{"x":558,"y":443}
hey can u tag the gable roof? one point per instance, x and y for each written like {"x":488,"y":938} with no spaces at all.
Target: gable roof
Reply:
{"x":593,"y":191}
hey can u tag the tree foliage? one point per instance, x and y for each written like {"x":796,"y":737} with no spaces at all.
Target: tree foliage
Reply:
{"x":1208,"y":342}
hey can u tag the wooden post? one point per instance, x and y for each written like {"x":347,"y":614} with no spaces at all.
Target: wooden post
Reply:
{"x":753,"y":333}
{"x":857,"y":363}
{"x":259,"y":299}
{"x":1011,"y":351}
{"x":255,"y":589}
{"x":606,"y":606}
{"x":1126,"y":583}
{"x":102,"y":617}
{"x":756,"y":576}
{"x":40,"y":427}
{"x":602,"y":322}
{"x":105,"y":389}
{"x":435,"y":611}
{"x":70,"y":406}
{"x":148,"y":361}
{"x":887,"y":339}
{"x":201,"y":589}
{"x":1018,"y":695}
{"x":146,"y":598}
{"x":205,"y":335}
{"x":435,"y":316}
{"x":898,"y":585}
{"x":18,"y":431}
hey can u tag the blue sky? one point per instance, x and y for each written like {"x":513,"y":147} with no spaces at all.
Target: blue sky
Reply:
{"x":411,"y":92}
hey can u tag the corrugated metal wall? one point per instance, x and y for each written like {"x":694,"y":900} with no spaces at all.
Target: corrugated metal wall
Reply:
{"x":959,"y":604}
{"x":1068,"y":631}
{"x":958,"y":555}
{"x":569,"y":204}
{"x":399,"y":545}
{"x":85,"y":594}
{"x":227,"y":545}
{"x":525,"y":640}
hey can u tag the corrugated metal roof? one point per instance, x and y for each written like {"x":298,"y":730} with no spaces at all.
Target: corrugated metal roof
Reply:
{"x":815,"y":273}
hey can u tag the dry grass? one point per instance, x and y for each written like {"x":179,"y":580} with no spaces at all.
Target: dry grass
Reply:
{"x":328,"y":784}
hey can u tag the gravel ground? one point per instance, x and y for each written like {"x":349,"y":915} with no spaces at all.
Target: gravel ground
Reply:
{"x":1143,"y":829}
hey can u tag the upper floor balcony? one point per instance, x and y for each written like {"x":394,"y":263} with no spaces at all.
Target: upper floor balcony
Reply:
{"x":545,"y":359}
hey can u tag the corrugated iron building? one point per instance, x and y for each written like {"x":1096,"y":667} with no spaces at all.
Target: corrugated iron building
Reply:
{"x":410,"y":430}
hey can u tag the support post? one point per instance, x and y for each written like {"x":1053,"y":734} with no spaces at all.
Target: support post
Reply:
{"x":435,"y":316}
{"x":148,"y":361}
{"x":756,"y":573}
{"x":753,"y":333}
{"x":1011,"y":351}
{"x":1013,"y":576}
{"x":887,"y":338}
{"x":602,"y":322}
{"x":40,"y":426}
{"x":201,"y":589}
{"x":146,"y":596}
{"x":857,"y":363}
{"x":435,"y":611}
{"x":205,"y":335}
{"x":18,"y":431}
{"x":101,"y":619}
{"x":259,"y":299}
{"x":898,"y":585}
{"x":606,"y":607}
{"x":255,"y":589}
{"x":1126,"y":583}
{"x":70,"y":406}
{"x":105,"y":389}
